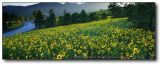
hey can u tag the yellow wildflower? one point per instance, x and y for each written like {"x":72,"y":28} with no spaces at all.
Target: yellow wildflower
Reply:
{"x":127,"y":54}
{"x":68,"y":46}
{"x":84,"y":55}
{"x":108,"y":49}
{"x":81,"y":46}
{"x":79,"y":51}
{"x":59,"y":57}
{"x":63,"y":54}
{"x":135,"y":50}
{"x":74,"y":50}
{"x":84,"y":47}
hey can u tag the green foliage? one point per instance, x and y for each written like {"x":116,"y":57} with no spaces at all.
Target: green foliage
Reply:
{"x":143,"y":13}
{"x":15,"y":26}
{"x":5,"y":19}
{"x":84,"y":16}
{"x":94,"y":16}
{"x":11,"y":21}
{"x":116,"y":10}
{"x":20,"y":18}
{"x":51,"y":20}
{"x":60,"y":20}
{"x":34,"y":14}
{"x":76,"y":18}
{"x":39,"y":21}
{"x":103,"y":15}
{"x":104,"y":11}
{"x":105,"y":39}
{"x":67,"y":19}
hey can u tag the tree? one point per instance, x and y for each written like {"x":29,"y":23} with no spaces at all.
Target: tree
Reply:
{"x":67,"y":18}
{"x":12,"y":18}
{"x":146,"y":12}
{"x":129,"y":10}
{"x":152,"y":14}
{"x":103,"y":15}
{"x":39,"y":23}
{"x":60,"y":20}
{"x":20,"y":18}
{"x":34,"y":14}
{"x":75,"y":18}
{"x":51,"y":20}
{"x":5,"y":20}
{"x":93,"y":16}
{"x":116,"y":9}
{"x":142,"y":15}
{"x":84,"y":16}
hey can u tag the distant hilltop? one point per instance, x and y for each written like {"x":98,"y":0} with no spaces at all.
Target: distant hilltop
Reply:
{"x":57,"y":7}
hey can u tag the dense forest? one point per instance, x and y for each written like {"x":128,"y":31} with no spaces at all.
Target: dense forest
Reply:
{"x":67,"y":19}
{"x":12,"y":21}
{"x":141,"y":14}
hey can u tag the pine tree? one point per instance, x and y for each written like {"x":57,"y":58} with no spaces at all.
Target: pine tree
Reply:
{"x":84,"y":16}
{"x":51,"y":20}
{"x":39,"y":23}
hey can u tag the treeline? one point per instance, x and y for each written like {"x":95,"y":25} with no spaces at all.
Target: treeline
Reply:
{"x":11,"y":19}
{"x":143,"y":15}
{"x":51,"y":21}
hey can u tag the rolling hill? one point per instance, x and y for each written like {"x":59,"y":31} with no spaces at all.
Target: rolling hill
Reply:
{"x":104,"y":39}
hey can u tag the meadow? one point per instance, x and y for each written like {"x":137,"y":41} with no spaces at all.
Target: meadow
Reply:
{"x":104,"y":39}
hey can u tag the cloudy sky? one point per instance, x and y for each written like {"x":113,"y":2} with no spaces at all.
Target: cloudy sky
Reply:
{"x":28,"y":4}
{"x":18,"y":4}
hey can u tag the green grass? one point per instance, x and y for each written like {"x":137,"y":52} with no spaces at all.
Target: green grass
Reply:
{"x":104,"y":39}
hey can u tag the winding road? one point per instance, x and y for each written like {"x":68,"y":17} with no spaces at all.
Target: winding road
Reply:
{"x":28,"y":25}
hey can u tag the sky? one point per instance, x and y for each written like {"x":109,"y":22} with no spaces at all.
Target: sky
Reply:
{"x":18,"y":4}
{"x":28,"y":4}
{"x":70,"y":7}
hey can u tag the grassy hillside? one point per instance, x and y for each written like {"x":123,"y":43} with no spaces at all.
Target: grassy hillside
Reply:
{"x":104,"y":39}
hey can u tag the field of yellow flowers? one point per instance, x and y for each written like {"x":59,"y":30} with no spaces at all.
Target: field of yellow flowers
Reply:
{"x":104,"y":39}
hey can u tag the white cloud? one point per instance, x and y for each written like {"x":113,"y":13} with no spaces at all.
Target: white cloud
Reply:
{"x":72,"y":2}
{"x":18,"y":4}
{"x":80,"y":2}
{"x":62,"y":2}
